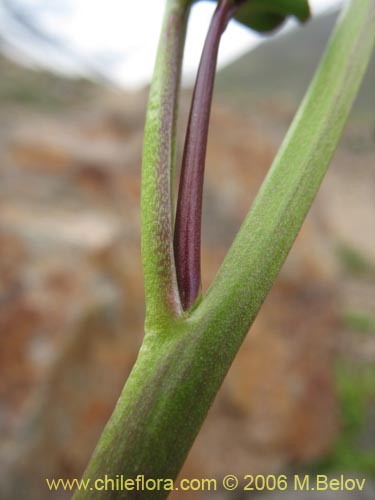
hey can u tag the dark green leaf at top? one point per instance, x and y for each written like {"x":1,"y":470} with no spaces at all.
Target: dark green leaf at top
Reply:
{"x":267,"y":15}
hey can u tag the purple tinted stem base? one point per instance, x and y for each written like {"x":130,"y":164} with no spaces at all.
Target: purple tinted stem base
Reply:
{"x":187,"y":235}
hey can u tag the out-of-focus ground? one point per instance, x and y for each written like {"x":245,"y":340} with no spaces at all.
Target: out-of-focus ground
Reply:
{"x":300,"y":394}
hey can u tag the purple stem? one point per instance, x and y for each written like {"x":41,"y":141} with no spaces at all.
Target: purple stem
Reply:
{"x":187,"y":236}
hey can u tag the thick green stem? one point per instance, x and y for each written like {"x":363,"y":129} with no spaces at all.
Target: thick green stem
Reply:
{"x":183,"y":362}
{"x":162,"y":407}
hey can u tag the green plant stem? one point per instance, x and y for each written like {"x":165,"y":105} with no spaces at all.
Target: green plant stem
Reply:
{"x":183,"y":362}
{"x":271,"y":226}
{"x":162,"y":296}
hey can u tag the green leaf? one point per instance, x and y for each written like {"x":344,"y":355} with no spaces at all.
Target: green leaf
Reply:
{"x":267,"y":15}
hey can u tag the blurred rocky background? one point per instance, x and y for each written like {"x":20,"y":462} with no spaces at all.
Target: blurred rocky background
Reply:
{"x":300,"y":394}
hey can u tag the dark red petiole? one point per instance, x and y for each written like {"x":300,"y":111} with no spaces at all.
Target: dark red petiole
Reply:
{"x":187,"y":235}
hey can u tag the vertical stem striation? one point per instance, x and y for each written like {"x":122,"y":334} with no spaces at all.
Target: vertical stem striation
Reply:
{"x":187,"y":236}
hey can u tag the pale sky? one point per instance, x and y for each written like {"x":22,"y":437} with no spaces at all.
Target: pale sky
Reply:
{"x":117,"y":38}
